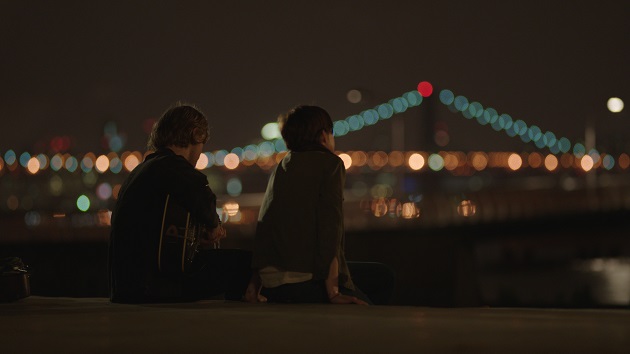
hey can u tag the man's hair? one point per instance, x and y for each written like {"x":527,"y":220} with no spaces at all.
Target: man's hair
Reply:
{"x":303,"y":125}
{"x":181,"y":125}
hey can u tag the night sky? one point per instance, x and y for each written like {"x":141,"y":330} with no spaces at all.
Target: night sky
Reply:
{"x":68,"y":67}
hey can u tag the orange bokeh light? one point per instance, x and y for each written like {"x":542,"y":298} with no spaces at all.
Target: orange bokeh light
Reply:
{"x":515,"y":162}
{"x":396,"y":158}
{"x":202,"y":162}
{"x":347,"y":160}
{"x":450,"y":161}
{"x":551,"y":162}
{"x":33,"y":165}
{"x":102,"y":164}
{"x":479,"y":161}
{"x":131,"y":162}
{"x":587,"y":163}
{"x":535,"y":160}
{"x":416,"y":161}
{"x":231,"y":161}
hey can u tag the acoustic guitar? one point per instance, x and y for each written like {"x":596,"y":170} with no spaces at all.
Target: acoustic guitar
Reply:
{"x":180,"y":237}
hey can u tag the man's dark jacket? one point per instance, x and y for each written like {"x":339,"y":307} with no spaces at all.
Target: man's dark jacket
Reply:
{"x":137,"y":222}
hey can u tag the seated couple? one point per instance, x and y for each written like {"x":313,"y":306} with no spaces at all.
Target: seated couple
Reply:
{"x":298,"y":254}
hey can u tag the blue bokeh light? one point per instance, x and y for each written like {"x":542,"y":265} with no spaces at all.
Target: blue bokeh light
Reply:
{"x":446,"y":97}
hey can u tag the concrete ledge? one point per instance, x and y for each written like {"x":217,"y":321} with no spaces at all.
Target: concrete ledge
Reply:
{"x":93,"y":325}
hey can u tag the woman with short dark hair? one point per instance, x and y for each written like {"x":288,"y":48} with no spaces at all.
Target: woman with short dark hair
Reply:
{"x":299,"y":243}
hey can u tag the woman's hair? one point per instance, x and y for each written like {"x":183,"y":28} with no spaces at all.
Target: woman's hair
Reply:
{"x":303,"y":126}
{"x":181,"y":125}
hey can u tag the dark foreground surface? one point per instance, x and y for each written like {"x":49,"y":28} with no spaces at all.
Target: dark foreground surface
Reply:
{"x":93,"y":325}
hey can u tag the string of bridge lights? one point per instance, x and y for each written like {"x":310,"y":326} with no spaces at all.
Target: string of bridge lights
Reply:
{"x":504,"y":122}
{"x":269,"y":152}
{"x":274,"y":144}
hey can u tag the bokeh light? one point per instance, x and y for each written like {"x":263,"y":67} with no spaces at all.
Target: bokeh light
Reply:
{"x":265,"y":149}
{"x":479,"y":161}
{"x":385,"y":111}
{"x":33,"y":165}
{"x":450,"y":161}
{"x":24,"y":158}
{"x":104,"y":191}
{"x":409,"y":211}
{"x":234,"y":186}
{"x":131,"y":161}
{"x":271,"y":131}
{"x":615,"y":104}
{"x":396,"y":158}
{"x":359,"y":158}
{"x":71,"y":163}
{"x":378,"y":160}
{"x":446,"y":97}
{"x":436,"y":162}
{"x":416,"y":161}
{"x":379,"y":207}
{"x":608,"y":162}
{"x":579,"y":150}
{"x":515,"y":161}
{"x":202,"y":162}
{"x":461,"y":103}
{"x":587,"y":163}
{"x":551,"y":162}
{"x":341,"y":128}
{"x":425,"y":88}
{"x":347,"y":160}
{"x":466,"y":208}
{"x":115,"y":165}
{"x":231,"y":161}
{"x":354,"y":96}
{"x":355,"y":122}
{"x":101,"y":164}
{"x":43,"y":161}
{"x":10,"y":157}
{"x":87,"y":162}
{"x":83,"y":203}
{"x":535,"y":160}
{"x":231,"y":208}
{"x":504,"y":122}
{"x":32,"y":218}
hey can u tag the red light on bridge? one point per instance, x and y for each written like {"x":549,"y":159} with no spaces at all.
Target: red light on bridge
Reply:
{"x":425,"y":89}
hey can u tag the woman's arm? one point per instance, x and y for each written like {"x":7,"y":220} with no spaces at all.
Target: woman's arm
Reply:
{"x":332,"y":287}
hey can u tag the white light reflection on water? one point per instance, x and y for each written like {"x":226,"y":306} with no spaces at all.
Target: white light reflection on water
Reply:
{"x":614,"y":279}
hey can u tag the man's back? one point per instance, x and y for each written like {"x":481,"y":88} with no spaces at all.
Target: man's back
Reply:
{"x":136,"y":224}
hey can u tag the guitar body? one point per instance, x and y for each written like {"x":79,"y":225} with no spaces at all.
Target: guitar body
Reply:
{"x":179,"y":239}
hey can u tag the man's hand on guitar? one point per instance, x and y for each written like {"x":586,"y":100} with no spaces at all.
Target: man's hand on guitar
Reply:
{"x":212,"y":238}
{"x":216,"y":235}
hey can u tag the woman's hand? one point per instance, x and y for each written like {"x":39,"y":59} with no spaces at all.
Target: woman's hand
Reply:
{"x":346,"y":299}
{"x":252,"y":294}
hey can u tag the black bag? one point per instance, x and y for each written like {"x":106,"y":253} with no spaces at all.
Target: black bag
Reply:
{"x":14,"y":279}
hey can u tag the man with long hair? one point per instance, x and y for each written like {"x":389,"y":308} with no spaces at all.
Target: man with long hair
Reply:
{"x":168,"y":175}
